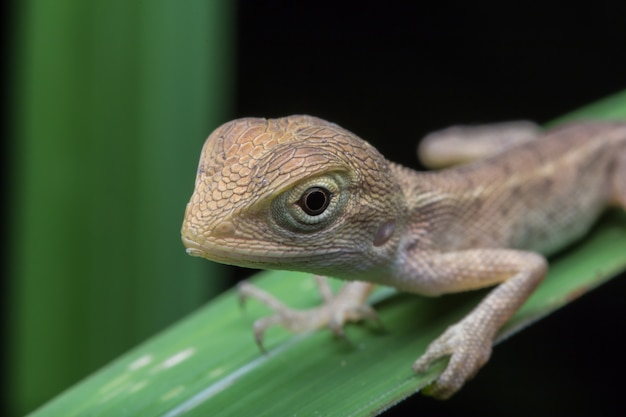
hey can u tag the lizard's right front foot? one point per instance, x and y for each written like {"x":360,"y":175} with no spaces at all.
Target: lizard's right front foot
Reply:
{"x":346,"y":306}
{"x":468,"y":351}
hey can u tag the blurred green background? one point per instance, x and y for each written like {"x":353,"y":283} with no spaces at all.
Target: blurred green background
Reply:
{"x":110,"y":102}
{"x":113,"y":102}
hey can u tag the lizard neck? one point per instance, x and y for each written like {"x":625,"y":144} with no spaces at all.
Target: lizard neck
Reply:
{"x":433,"y":204}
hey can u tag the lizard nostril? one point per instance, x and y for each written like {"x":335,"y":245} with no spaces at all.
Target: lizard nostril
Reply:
{"x":225,"y":228}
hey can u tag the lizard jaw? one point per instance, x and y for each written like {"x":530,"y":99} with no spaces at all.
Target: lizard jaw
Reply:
{"x":215,"y":253}
{"x":251,"y":258}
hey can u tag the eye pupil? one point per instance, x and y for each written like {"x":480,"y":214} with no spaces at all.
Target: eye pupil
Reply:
{"x":315,"y":200}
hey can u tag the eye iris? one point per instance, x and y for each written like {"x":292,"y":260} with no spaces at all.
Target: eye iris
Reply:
{"x":315,"y":200}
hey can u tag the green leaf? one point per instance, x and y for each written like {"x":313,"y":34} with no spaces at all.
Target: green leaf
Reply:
{"x":208,"y":364}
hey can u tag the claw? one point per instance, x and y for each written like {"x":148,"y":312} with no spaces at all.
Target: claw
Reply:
{"x":259,"y":328}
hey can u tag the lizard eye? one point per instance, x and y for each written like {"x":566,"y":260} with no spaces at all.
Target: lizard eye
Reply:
{"x":313,"y":204}
{"x":315,"y":200}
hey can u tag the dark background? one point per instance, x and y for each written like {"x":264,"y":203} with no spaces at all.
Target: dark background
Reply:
{"x":391,"y":72}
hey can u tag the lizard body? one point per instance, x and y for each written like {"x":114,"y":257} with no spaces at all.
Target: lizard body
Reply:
{"x":304,"y":194}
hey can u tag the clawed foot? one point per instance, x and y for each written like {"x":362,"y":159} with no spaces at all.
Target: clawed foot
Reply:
{"x":468,"y":351}
{"x":348,"y":305}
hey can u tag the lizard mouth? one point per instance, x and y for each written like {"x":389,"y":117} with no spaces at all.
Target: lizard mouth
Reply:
{"x":214,"y":253}
{"x":248,"y":258}
{"x":258,"y":257}
{"x":192,"y":247}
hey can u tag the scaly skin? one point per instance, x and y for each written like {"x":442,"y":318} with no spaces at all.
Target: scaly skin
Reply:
{"x":300,"y":193}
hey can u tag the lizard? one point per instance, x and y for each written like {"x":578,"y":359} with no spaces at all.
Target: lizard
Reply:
{"x":300,"y":193}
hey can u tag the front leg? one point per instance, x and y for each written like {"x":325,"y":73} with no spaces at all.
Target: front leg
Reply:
{"x":348,"y":305}
{"x":468,"y":343}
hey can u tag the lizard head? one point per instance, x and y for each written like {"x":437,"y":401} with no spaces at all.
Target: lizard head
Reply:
{"x":295,"y":193}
